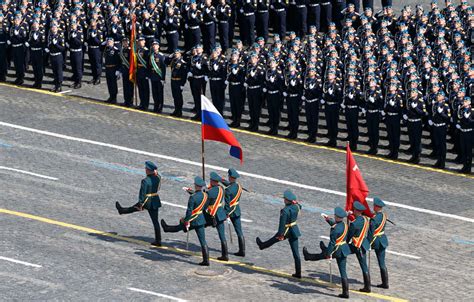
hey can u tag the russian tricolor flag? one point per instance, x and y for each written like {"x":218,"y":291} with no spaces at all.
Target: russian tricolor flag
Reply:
{"x":214,"y":128}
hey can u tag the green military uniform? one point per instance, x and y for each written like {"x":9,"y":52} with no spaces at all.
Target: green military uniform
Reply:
{"x":215,"y":214}
{"x":148,"y":199}
{"x":287,"y":229}
{"x":337,"y":248}
{"x":378,"y":240}
{"x":359,"y":244}
{"x":233,"y":193}
{"x":194,"y":219}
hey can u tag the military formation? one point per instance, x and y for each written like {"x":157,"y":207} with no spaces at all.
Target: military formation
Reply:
{"x":211,"y":206}
{"x":335,"y":57}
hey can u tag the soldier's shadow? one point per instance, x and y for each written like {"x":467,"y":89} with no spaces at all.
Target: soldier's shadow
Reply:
{"x":325,"y":277}
{"x":164,"y":255}
{"x":293,"y":288}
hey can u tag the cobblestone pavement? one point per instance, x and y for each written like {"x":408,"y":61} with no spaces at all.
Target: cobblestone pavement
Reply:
{"x":79,"y":264}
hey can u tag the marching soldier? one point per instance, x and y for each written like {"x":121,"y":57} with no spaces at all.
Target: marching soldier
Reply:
{"x":148,"y":199}
{"x":142,"y":73}
{"x":94,"y":42}
{"x":373,"y":104}
{"x":112,"y":69}
{"x":233,"y":192}
{"x":440,"y":116}
{"x":37,"y":43}
{"x":194,"y":218}
{"x":75,"y":43}
{"x":287,"y":229}
{"x":358,"y":242}
{"x":18,"y":37}
{"x":179,"y":71}
{"x":196,"y":79}
{"x":393,"y":110}
{"x":415,"y":110}
{"x":254,"y":80}
{"x":332,"y":94}
{"x":378,"y":239}
{"x":293,"y":94}
{"x":124,"y":70}
{"x":216,"y":74}
{"x":337,"y":247}
{"x":235,"y":81}
{"x":223,"y":14}
{"x":157,"y":74}
{"x":56,"y":47}
{"x":215,"y":214}
{"x":274,"y":84}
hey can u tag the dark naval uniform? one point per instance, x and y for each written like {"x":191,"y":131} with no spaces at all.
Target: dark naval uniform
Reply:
{"x":94,"y":41}
{"x":439,"y":120}
{"x":223,"y":15}
{"x":293,"y":94}
{"x":415,"y":111}
{"x":373,"y":103}
{"x":254,"y":80}
{"x":235,"y":79}
{"x":287,"y":229}
{"x":216,"y":73}
{"x":112,"y":70}
{"x":274,"y":86}
{"x":331,"y":99}
{"x":56,"y":47}
{"x":351,"y":103}
{"x":75,"y":44}
{"x":393,"y":110}
{"x":148,"y":199}
{"x":3,"y":50}
{"x":18,"y":37}
{"x":313,"y":92}
{"x":37,"y":43}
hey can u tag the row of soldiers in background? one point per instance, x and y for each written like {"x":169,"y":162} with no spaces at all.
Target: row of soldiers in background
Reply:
{"x":415,"y":69}
{"x":212,"y":206}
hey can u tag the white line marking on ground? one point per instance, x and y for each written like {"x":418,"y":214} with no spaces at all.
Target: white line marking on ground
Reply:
{"x":19,"y":262}
{"x":28,"y":173}
{"x":198,"y":164}
{"x":390,"y":252}
{"x":155,"y":294}
{"x":66,"y":91}
{"x":184,"y":207}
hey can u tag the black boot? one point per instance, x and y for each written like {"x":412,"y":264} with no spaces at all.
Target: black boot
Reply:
{"x":157,"y":241}
{"x":297,"y":273}
{"x":241,"y":252}
{"x":366,"y":288}
{"x":307,"y":255}
{"x":384,"y":275}
{"x":170,"y":228}
{"x":205,"y":256}
{"x":225,"y":252}
{"x":266,"y":244}
{"x":124,"y":210}
{"x":345,"y":289}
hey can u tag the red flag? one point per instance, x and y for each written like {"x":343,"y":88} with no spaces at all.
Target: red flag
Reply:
{"x":356,"y":188}
{"x":132,"y":71}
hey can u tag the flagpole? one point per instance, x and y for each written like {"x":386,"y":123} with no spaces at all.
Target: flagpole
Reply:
{"x":202,"y":158}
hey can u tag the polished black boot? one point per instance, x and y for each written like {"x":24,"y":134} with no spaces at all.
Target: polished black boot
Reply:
{"x":224,"y":251}
{"x":125,"y":210}
{"x":266,"y":244}
{"x":308,"y":256}
{"x":205,"y":256}
{"x":384,"y":275}
{"x":170,"y":228}
{"x":241,"y":252}
{"x":297,"y":273}
{"x":366,"y":288}
{"x":157,"y":241}
{"x":345,"y":288}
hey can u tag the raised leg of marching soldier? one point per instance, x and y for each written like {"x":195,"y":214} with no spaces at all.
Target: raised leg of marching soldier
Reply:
{"x":332,"y":119}
{"x":326,"y":14}
{"x":261,"y":23}
{"x":19,"y":52}
{"x":373,"y":125}
{"x":287,"y":229}
{"x":352,"y":121}
{"x":218,"y":94}
{"x":57,"y":67}
{"x":312,"y":119}
{"x":393,"y":134}
{"x":274,"y":100}
{"x":158,"y":95}
{"x":314,"y":14}
{"x":148,"y":199}
{"x":38,"y":67}
{"x":75,"y":56}
{"x":368,"y":4}
{"x":95,"y":58}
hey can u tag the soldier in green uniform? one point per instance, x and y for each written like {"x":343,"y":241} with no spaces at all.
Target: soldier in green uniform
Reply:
{"x":378,"y":240}
{"x":215,"y":214}
{"x":233,"y":192}
{"x":358,"y":242}
{"x":337,"y":247}
{"x":194,"y":218}
{"x":148,"y":198}
{"x":287,"y":229}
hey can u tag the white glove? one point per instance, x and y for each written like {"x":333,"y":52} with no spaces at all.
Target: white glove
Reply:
{"x":182,"y":87}
{"x":351,"y":96}
{"x":8,"y":42}
{"x":226,"y":82}
{"x":311,"y":86}
{"x":272,"y":7}
{"x":67,"y":45}
{"x":430,"y":122}
{"x":55,"y":41}
{"x":114,"y":30}
{"x":427,"y":76}
{"x":85,"y":44}
{"x":241,"y":10}
{"x":440,"y":109}
{"x":46,"y":50}
{"x":363,"y":111}
{"x":322,"y":102}
{"x":371,"y":99}
{"x":207,"y":10}
{"x":303,"y":98}
{"x":190,"y":74}
{"x":382,"y":112}
{"x":198,"y":65}
{"x":148,"y":23}
{"x":215,"y":67}
{"x":234,"y":71}
{"x":330,"y":91}
{"x":27,"y":44}
{"x":252,"y":73}
{"x":272,"y":79}
{"x":186,"y":26}
{"x":264,"y":89}
{"x":35,"y":36}
{"x":118,"y":73}
{"x":405,"y":117}
{"x":467,"y":114}
{"x":206,"y":78}
{"x":392,"y":103}
{"x":324,"y":215}
{"x":343,"y":106}
{"x":293,"y":82}
{"x":246,"y":85}
{"x":193,"y":15}
{"x":350,"y":212}
{"x":16,"y":32}
{"x":458,"y":126}
{"x":73,"y":35}
{"x":285,"y":94}
{"x":163,"y":82}
{"x":413,"y":105}
{"x":170,"y":20}
{"x":93,"y":35}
